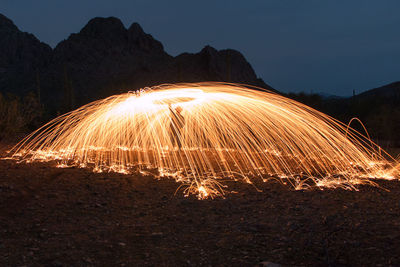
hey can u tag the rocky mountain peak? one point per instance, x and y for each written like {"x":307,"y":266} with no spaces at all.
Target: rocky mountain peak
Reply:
{"x":105,"y":58}
{"x":211,"y":64}
{"x":142,"y":40}
{"x":136,"y":29}
{"x":100,"y":27}
{"x":105,"y":34}
{"x":21,"y":55}
{"x":7,"y":24}
{"x":208,"y":50}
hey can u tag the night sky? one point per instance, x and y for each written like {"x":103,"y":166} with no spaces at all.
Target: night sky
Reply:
{"x":330,"y":46}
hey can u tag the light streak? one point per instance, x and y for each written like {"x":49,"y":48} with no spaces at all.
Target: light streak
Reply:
{"x":230,"y":132}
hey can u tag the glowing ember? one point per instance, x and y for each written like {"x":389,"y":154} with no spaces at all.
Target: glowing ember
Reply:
{"x":200,"y":133}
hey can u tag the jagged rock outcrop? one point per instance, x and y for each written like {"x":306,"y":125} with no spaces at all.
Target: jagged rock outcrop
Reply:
{"x":21,"y":57}
{"x":105,"y":58}
{"x":212,"y":65}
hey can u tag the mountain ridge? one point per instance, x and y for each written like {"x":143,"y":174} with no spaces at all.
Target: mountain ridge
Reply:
{"x":106,"y":58}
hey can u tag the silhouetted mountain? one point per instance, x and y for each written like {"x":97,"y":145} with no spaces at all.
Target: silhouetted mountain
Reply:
{"x":21,"y":57}
{"x":327,"y":96}
{"x":389,"y":92}
{"x":372,"y":101}
{"x":378,"y":109}
{"x":105,"y":58}
{"x":212,"y":65}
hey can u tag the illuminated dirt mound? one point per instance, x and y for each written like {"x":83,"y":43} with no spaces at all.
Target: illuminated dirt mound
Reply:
{"x":201,"y":133}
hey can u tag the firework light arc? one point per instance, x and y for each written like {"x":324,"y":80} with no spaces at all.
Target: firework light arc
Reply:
{"x":230,"y":131}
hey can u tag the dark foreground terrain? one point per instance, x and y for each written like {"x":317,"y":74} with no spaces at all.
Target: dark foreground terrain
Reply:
{"x":73,"y":217}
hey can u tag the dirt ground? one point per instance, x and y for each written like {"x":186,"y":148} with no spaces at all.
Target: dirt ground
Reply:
{"x":73,"y":217}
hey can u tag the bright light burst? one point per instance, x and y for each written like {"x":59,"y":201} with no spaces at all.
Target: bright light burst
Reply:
{"x":230,"y":132}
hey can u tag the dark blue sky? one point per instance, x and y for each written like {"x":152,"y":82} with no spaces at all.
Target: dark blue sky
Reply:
{"x":331,"y":46}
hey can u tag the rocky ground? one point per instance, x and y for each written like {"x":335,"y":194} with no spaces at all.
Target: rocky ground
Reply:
{"x":73,"y":217}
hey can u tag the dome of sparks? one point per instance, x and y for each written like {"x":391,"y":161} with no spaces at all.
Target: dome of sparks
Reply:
{"x":204,"y":132}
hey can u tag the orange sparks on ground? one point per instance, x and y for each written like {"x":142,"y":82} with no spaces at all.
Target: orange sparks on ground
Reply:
{"x":204,"y":132}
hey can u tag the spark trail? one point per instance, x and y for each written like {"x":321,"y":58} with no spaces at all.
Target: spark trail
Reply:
{"x":230,"y":132}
